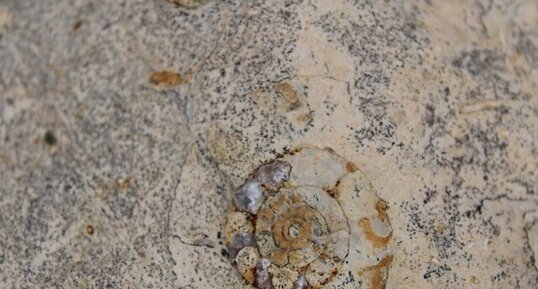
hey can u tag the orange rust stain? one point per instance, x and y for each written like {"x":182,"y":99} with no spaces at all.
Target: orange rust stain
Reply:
{"x":124,"y":183}
{"x":166,"y":78}
{"x":90,"y":230}
{"x":377,"y":272}
{"x":296,"y":199}
{"x":474,"y":280}
{"x":377,"y":241}
{"x":249,"y":276}
{"x":381,"y":208}
{"x":77,"y":25}
{"x":281,"y":200}
{"x":264,"y":217}
{"x":304,"y":117}
{"x":299,"y":216}
{"x":292,"y":97}
{"x":279,"y":257}
{"x":351,"y":167}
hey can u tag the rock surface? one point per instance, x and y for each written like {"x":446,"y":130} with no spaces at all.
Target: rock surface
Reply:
{"x":125,"y":126}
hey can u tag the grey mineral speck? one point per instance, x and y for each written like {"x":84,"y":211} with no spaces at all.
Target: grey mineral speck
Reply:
{"x":249,"y":197}
{"x":263,"y":278}
{"x":240,"y":241}
{"x":301,"y":283}
{"x":273,"y":174}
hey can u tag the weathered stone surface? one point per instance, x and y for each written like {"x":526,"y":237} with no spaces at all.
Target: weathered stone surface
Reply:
{"x":110,"y":178}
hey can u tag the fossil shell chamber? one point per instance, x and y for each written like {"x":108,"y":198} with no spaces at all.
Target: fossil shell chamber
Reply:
{"x":309,"y":219}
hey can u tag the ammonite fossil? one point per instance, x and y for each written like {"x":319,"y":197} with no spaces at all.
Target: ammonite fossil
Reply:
{"x":309,"y":219}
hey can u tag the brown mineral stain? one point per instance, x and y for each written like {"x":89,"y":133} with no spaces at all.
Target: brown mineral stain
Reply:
{"x":294,"y":151}
{"x":474,"y":280}
{"x":296,"y":199}
{"x":124,"y":183}
{"x":265,"y":214}
{"x":381,"y":208}
{"x":439,"y":228}
{"x":298,"y":216}
{"x":377,"y":274}
{"x":90,"y":230}
{"x":351,"y":167}
{"x":377,"y":241}
{"x":77,"y":25}
{"x":166,"y":78}
{"x":279,"y":257}
{"x":333,"y":192}
{"x":304,"y":117}
{"x":186,"y":3}
{"x":249,"y":276}
{"x":118,"y":184}
{"x":279,"y":201}
{"x":330,"y":150}
{"x":290,"y":95}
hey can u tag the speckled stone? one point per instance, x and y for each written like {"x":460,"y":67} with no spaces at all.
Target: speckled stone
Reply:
{"x":111,"y":177}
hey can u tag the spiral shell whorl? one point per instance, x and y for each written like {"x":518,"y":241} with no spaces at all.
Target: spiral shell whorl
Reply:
{"x":309,"y":220}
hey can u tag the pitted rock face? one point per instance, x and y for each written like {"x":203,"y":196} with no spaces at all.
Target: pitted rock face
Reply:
{"x":311,"y":220}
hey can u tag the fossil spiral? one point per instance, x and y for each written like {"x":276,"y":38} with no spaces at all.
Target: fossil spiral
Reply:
{"x":309,"y":219}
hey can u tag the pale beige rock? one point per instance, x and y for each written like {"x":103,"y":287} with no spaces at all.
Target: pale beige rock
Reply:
{"x":283,"y":278}
{"x":315,"y":167}
{"x":237,"y":223}
{"x":246,"y":261}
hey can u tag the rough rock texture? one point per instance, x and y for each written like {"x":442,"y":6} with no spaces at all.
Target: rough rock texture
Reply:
{"x":126,"y":125}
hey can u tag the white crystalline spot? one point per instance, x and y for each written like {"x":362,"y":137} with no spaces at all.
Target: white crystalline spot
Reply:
{"x":263,"y":279}
{"x":273,"y":174}
{"x":301,"y":283}
{"x":249,"y":197}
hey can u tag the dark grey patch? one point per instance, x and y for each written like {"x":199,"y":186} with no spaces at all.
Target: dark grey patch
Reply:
{"x":121,"y":205}
{"x":435,"y":271}
{"x":240,"y":241}
{"x":480,"y":62}
{"x":248,"y":198}
{"x":50,"y":138}
{"x":263,"y":278}
{"x":529,"y":50}
{"x":429,"y":115}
